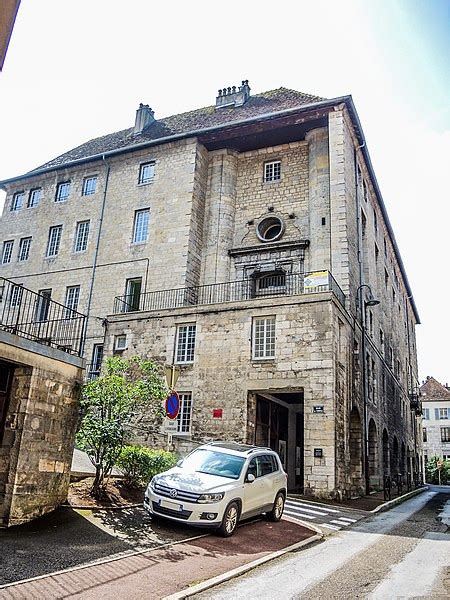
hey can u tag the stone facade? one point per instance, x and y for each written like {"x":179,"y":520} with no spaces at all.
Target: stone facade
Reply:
{"x":208,"y":199}
{"x":436,"y":419}
{"x":38,"y":429}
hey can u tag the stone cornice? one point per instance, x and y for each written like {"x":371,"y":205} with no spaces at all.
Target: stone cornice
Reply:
{"x":267,"y":247}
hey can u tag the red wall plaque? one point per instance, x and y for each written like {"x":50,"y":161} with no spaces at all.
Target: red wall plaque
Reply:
{"x":217,"y":413}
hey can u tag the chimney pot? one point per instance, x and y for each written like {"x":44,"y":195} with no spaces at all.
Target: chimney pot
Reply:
{"x":232,"y":96}
{"x":144,"y":117}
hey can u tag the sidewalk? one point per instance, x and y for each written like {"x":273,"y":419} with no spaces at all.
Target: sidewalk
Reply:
{"x":160,"y":572}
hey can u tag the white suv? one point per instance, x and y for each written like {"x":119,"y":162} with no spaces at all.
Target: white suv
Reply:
{"x":218,"y":484}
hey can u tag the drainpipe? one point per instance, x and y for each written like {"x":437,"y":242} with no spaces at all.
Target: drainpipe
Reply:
{"x":97,"y":244}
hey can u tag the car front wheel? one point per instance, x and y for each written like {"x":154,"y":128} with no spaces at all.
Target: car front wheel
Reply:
{"x":230,"y":520}
{"x":277,"y":510}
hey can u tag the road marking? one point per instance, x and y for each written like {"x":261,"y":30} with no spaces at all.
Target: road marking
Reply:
{"x":293,"y":514}
{"x":320,"y":507}
{"x":329,"y":526}
{"x":339,"y":522}
{"x":347,"y":519}
{"x":308,"y":510}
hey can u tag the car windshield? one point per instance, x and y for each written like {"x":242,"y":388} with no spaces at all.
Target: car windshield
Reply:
{"x":214,"y":463}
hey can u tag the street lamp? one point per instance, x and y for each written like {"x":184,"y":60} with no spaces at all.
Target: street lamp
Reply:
{"x":363,"y":306}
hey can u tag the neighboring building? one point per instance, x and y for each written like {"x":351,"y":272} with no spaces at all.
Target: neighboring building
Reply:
{"x":8,"y":13}
{"x":436,"y":419}
{"x":239,"y":241}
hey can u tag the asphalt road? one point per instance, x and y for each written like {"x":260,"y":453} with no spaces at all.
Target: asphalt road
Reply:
{"x":402,"y":553}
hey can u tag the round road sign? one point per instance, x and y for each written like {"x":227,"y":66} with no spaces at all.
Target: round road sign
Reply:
{"x":172,"y":405}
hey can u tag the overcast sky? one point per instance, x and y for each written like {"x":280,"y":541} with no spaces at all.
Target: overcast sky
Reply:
{"x":78,"y":69}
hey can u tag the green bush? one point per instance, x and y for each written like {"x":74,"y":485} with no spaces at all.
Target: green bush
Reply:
{"x":432,"y":471}
{"x":139,"y":464}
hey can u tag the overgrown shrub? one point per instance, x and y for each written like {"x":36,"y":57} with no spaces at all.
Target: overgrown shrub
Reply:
{"x":139,"y":464}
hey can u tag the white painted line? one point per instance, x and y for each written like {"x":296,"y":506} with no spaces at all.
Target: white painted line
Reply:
{"x":347,"y":519}
{"x":340,"y":522}
{"x":329,"y":526}
{"x":308,"y":510}
{"x":293,"y":514}
{"x":320,"y":506}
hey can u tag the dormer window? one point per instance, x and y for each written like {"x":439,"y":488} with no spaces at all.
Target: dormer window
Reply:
{"x":272,"y":171}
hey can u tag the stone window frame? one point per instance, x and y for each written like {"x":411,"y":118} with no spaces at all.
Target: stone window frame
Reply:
{"x":119,"y":347}
{"x":445,"y":434}
{"x":7,"y":252}
{"x":24,"y":248}
{"x":54,"y":241}
{"x":267,"y":223}
{"x":63,"y":186}
{"x":17,"y":201}
{"x":273,"y":166}
{"x":32,"y":201}
{"x":141,"y":226}
{"x":264,"y":329}
{"x":87,"y":188}
{"x":185,"y":339}
{"x":184,"y":418}
{"x":81,"y":236}
{"x":71,"y":300}
{"x":144,"y":179}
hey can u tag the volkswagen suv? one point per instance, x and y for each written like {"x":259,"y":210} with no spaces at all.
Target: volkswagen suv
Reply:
{"x":219,"y":484}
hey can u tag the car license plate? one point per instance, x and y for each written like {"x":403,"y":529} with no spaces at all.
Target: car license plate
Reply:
{"x":171,"y":505}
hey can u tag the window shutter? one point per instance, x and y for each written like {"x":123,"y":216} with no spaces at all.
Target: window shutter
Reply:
{"x":436,"y":414}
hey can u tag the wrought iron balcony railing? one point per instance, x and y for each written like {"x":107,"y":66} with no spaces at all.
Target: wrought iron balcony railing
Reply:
{"x":39,"y":318}
{"x":274,"y":284}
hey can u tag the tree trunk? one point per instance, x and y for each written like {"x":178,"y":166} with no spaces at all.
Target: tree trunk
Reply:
{"x":97,"y":486}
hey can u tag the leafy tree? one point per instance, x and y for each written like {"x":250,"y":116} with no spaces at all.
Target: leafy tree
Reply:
{"x":109,"y":403}
{"x":432,"y":470}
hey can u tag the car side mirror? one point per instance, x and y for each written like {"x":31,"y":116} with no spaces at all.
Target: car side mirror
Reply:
{"x":179,"y":463}
{"x":250,"y":478}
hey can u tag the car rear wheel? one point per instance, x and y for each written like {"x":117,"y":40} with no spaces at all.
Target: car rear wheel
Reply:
{"x":230,"y":520}
{"x":278,"y":507}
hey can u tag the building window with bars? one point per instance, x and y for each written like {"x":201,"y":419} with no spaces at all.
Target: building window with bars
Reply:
{"x":140,"y":227}
{"x":272,"y":171}
{"x":146,"y":173}
{"x":185,"y":344}
{"x":62,"y":191}
{"x":34,"y":197}
{"x":263,"y":337}
{"x":17,"y":201}
{"x":24,"y":249}
{"x":7,"y":251}
{"x":15,"y":297}
{"x":89,"y":186}
{"x":54,"y":240}
{"x":185,"y":415}
{"x":445,"y":434}
{"x":81,"y":236}
{"x":71,"y":301}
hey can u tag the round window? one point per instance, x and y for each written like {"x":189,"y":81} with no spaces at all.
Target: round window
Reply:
{"x":270,"y":229}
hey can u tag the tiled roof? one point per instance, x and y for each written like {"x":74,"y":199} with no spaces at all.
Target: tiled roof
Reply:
{"x":433,"y":390}
{"x":260,"y":104}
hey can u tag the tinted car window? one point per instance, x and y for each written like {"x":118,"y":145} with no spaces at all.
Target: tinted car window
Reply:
{"x":265,"y":465}
{"x":252,"y":468}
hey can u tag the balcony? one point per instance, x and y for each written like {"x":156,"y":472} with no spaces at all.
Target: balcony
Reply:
{"x":36,"y":317}
{"x":261,"y":286}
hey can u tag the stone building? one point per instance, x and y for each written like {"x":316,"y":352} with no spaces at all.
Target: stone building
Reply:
{"x":248,"y":243}
{"x":436,"y":419}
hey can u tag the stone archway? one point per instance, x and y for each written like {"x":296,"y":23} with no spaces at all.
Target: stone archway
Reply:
{"x":374,"y":475}
{"x":394,"y":457}
{"x":386,"y":465}
{"x":356,"y":455}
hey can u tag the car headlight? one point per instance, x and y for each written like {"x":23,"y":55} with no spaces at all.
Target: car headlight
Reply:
{"x":209,"y":498}
{"x":152,"y":483}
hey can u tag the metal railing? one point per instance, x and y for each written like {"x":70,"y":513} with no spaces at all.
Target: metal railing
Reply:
{"x":262,"y":286}
{"x":39,"y":318}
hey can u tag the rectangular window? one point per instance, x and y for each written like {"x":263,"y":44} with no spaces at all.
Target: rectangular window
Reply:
{"x":89,"y":186}
{"x":71,"y":301}
{"x":34,"y":197}
{"x":54,"y":239}
{"x":120,"y":342}
{"x":62,"y":191}
{"x":97,"y":357}
{"x":185,"y":415}
{"x":375,"y":221}
{"x":17,"y":201}
{"x":264,"y":337}
{"x":426,"y":414}
{"x":140,"y":227}
{"x":146,"y":172}
{"x":382,"y":342}
{"x":185,"y":344}
{"x":443,"y":413}
{"x":445,"y":434}
{"x":15,"y":297}
{"x":81,"y":236}
{"x":43,"y":305}
{"x":24,"y":248}
{"x":424,"y":432}
{"x":133,"y":289}
{"x":7,"y":251}
{"x":272,"y":170}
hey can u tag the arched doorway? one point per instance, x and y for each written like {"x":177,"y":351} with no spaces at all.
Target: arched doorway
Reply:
{"x":356,"y":471}
{"x":385,"y":452}
{"x":394,"y":457}
{"x":374,"y":474}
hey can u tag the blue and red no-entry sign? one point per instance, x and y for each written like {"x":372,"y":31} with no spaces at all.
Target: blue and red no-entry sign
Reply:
{"x":172,"y":405}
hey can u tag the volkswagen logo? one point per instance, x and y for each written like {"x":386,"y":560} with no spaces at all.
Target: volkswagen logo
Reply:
{"x":173,"y":493}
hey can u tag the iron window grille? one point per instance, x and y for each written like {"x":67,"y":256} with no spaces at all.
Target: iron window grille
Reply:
{"x":140,"y":227}
{"x":185,"y":415}
{"x":185,"y":345}
{"x":264,"y":337}
{"x":24,"y":249}
{"x":34,"y":197}
{"x":54,"y":240}
{"x":7,"y":251}
{"x":81,"y":236}
{"x":62,"y":191}
{"x":146,"y":172}
{"x":89,"y":186}
{"x":272,"y":171}
{"x":17,"y":201}
{"x":72,"y":298}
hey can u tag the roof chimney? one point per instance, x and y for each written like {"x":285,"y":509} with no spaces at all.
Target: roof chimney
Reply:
{"x":144,"y":117}
{"x":228,"y":97}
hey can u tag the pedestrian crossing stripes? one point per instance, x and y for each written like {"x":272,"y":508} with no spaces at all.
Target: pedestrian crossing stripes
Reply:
{"x":322,"y":515}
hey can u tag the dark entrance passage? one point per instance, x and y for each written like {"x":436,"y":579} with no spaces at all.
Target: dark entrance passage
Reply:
{"x":279,"y":424}
{"x":6,"y":372}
